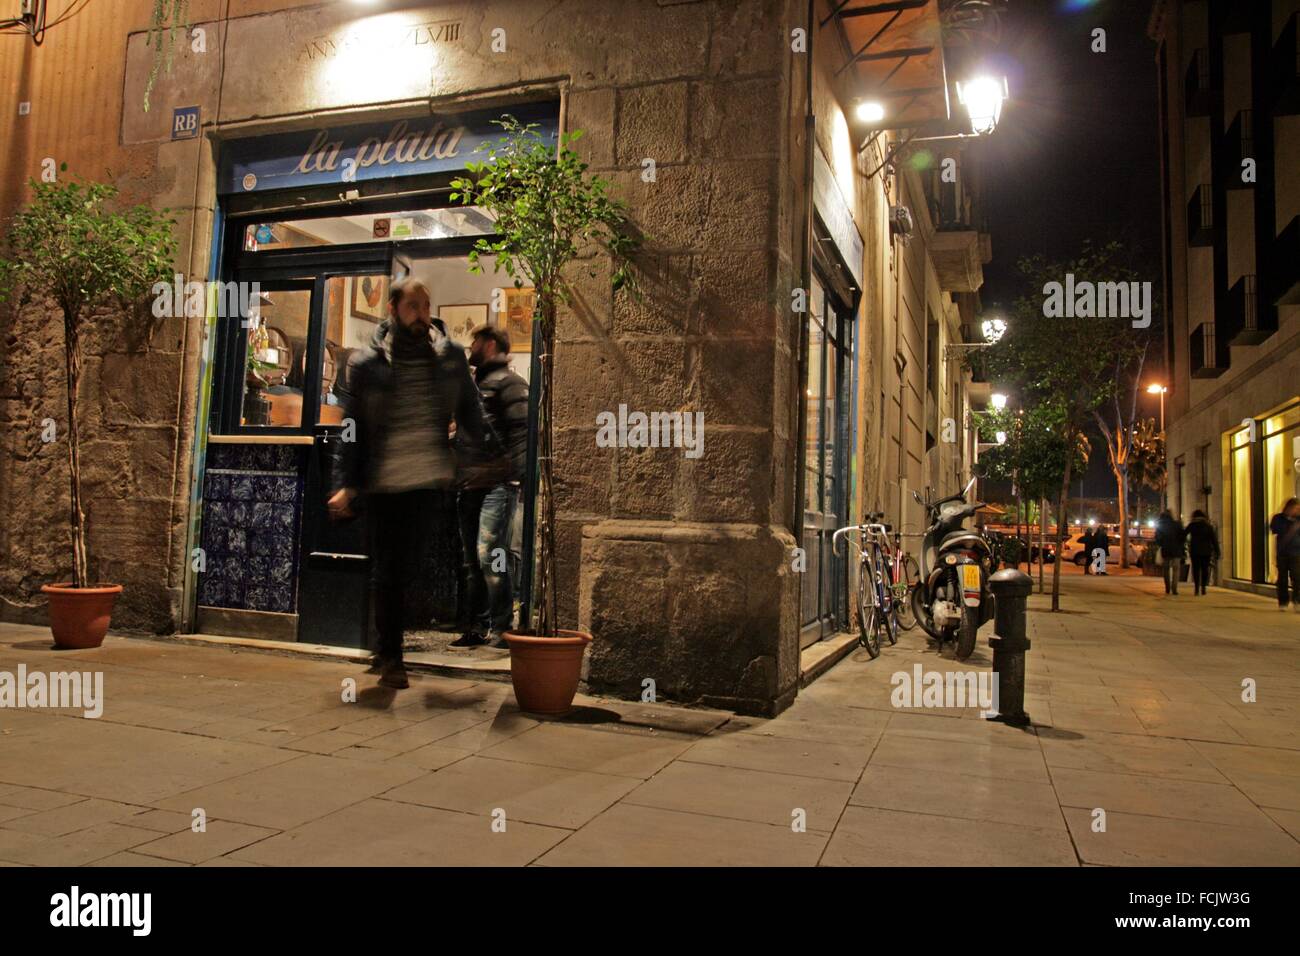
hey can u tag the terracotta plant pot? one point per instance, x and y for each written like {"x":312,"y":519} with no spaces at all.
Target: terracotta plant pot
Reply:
{"x":79,"y":616}
{"x":545,"y":670}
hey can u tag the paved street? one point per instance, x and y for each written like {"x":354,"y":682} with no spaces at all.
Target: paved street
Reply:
{"x":1138,"y":721}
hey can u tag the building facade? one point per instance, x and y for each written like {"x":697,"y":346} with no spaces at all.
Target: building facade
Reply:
{"x":1230,"y":106}
{"x":308,"y":147}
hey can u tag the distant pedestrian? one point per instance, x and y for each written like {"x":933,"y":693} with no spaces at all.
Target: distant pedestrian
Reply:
{"x":1171,"y":539}
{"x":1086,"y":539}
{"x":1286,"y":525}
{"x":1100,"y":542}
{"x":1203,"y":548}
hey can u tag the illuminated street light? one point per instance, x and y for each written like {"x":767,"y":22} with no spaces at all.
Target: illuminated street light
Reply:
{"x":999,"y":401}
{"x":1160,"y":390}
{"x":983,"y":98}
{"x":1001,"y":437}
{"x":870,"y":111}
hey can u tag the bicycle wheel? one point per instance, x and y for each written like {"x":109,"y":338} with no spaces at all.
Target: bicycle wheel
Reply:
{"x":909,"y":576}
{"x":868,"y":610}
{"x":887,"y":620}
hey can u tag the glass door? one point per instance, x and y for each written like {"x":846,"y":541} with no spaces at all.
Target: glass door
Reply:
{"x":826,"y":460}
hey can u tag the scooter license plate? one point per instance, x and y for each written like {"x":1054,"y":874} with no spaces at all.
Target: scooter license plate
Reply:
{"x":970,"y":585}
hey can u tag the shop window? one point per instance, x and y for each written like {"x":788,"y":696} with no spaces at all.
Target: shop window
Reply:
{"x":447,"y":223}
{"x":1277,"y":436}
{"x":275,"y":359}
{"x":1239,"y":504}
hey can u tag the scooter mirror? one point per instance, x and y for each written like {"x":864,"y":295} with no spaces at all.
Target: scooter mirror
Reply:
{"x":969,"y":485}
{"x":919,"y":499}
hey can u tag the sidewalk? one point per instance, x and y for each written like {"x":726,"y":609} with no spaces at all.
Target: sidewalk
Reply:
{"x":1136,"y":700}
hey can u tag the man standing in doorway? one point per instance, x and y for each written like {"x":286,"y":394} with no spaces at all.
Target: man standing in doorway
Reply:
{"x":403,"y":393}
{"x":489,"y":489}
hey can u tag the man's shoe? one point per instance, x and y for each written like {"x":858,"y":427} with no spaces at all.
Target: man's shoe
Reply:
{"x":377,"y":664}
{"x":497,"y":639}
{"x":394,"y":676}
{"x":471,"y":638}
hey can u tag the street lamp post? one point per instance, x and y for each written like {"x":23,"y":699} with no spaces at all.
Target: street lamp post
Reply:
{"x":1158,"y":389}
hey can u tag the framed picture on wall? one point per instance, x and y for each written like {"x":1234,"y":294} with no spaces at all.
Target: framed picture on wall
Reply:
{"x":517,"y":319}
{"x":370,"y":298}
{"x":462,"y":320}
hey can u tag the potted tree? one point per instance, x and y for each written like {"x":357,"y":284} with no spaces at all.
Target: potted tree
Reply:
{"x":548,"y":211}
{"x":68,"y":246}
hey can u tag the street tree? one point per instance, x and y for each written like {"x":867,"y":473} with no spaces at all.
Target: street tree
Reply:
{"x":1065,"y":358}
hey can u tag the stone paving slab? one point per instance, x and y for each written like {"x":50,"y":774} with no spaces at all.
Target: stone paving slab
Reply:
{"x":549,"y":796}
{"x":875,"y":837}
{"x":390,"y":833}
{"x":628,"y":835}
{"x":291,"y":792}
{"x":770,"y":798}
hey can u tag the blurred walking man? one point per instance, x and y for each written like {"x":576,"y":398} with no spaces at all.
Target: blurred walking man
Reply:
{"x":403,"y":393}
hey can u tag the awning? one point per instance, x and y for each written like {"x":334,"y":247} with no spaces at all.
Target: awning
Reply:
{"x":895,"y":55}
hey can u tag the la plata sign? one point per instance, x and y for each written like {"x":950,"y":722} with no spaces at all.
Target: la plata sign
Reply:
{"x":404,"y":147}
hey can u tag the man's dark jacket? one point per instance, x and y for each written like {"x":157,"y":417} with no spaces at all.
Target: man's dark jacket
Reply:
{"x":505,"y":404}
{"x":1288,"y":535}
{"x":1171,"y":538}
{"x":367,"y":395}
{"x":1202,"y":542}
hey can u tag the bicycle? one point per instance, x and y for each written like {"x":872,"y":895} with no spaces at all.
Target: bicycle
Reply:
{"x":877,"y":610}
{"x":907,"y":577}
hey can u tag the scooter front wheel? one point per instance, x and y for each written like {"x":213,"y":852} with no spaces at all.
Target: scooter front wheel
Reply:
{"x":967,"y":632}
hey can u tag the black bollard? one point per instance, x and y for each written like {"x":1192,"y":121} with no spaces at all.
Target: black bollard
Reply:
{"x":1010,"y":589}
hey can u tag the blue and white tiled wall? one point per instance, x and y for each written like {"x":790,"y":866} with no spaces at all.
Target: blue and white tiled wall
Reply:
{"x":252,"y":508}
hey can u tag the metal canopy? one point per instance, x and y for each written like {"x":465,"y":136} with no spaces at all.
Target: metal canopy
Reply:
{"x":895,"y":55}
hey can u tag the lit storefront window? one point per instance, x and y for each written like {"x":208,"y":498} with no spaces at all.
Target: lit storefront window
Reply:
{"x":1239,"y":501}
{"x":1280,"y":479}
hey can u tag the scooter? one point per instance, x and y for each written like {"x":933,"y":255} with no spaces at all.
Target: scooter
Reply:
{"x":953,"y":598}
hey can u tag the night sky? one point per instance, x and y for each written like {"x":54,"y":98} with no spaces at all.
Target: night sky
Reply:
{"x":1076,"y":155}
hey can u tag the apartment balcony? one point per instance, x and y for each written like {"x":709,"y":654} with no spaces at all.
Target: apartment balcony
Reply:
{"x":1243,"y":321}
{"x":1201,"y":97}
{"x":1201,"y":228}
{"x":1286,"y":69}
{"x":1286,"y":265}
{"x":1209,"y":356}
{"x":958,"y":260}
{"x":1239,"y":145}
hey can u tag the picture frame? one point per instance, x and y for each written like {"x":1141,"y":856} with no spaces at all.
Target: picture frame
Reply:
{"x":370,"y":298}
{"x":517,"y":318}
{"x":462,"y":320}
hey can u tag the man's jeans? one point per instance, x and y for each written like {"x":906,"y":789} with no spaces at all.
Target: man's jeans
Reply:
{"x":1288,"y":566}
{"x":398,"y":525}
{"x":1173,"y":571}
{"x":485,"y":540}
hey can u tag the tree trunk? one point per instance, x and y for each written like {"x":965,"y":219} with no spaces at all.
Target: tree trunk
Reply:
{"x":546,"y":622}
{"x":1020,"y":508}
{"x":1062,"y":526}
{"x":1123,"y":518}
{"x":1042,"y":540}
{"x":76,"y":517}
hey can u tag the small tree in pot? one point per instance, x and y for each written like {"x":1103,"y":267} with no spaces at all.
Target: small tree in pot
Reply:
{"x":548,"y":210}
{"x":69,"y":246}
